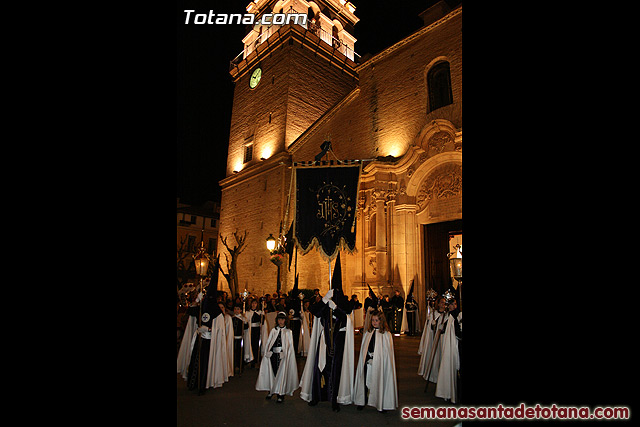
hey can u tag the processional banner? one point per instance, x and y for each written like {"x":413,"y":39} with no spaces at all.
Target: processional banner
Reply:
{"x":326,"y":208}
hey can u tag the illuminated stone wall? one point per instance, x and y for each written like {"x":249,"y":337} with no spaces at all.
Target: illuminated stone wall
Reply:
{"x":382,"y":113}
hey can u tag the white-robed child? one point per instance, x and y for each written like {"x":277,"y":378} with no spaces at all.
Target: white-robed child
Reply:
{"x":375,"y":380}
{"x":278,"y":370}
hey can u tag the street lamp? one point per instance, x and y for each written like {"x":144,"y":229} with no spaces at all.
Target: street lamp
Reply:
{"x":271,"y":242}
{"x":276,"y":258}
{"x":455,"y":263}
{"x":201,"y":261}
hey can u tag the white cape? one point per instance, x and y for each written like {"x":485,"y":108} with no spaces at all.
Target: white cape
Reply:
{"x":264,"y":334}
{"x":425,"y":335}
{"x":217,"y":354}
{"x":446,"y":387}
{"x":286,"y":380}
{"x":184,"y":354}
{"x":267,"y":326}
{"x":246,"y":338}
{"x":383,"y":389}
{"x":426,"y":347}
{"x":345,"y":388}
{"x":229,"y":343}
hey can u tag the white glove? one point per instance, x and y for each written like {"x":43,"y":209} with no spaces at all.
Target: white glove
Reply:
{"x":203,"y":329}
{"x":327,"y":296}
{"x":332,"y":305}
{"x":268,"y":354}
{"x":199,"y":297}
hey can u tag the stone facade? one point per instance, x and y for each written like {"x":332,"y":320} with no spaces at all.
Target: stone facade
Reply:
{"x":376,"y":110}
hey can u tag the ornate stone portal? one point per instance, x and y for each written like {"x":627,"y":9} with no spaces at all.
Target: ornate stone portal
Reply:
{"x":397,"y":196}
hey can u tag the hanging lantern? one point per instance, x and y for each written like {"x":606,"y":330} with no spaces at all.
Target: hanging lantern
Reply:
{"x":201,"y":260}
{"x":455,"y":263}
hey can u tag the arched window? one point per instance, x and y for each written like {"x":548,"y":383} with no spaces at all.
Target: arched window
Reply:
{"x":439,"y":86}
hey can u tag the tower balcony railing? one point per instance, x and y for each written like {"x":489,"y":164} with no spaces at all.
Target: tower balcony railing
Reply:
{"x":311,"y":27}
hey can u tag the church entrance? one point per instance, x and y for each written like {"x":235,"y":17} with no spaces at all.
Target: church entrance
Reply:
{"x":439,"y":238}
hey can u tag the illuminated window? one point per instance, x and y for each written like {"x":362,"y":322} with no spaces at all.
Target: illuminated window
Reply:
{"x":439,"y":86}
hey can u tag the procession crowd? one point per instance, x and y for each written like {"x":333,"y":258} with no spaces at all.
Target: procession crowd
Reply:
{"x":222,"y":336}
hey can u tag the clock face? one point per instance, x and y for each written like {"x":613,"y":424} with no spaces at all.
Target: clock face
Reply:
{"x":255,"y":78}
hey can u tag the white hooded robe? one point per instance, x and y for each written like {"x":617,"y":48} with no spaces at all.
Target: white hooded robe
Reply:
{"x":285,"y":381}
{"x":229,"y":343}
{"x":184,"y":354}
{"x":450,"y":363}
{"x":426,"y":346}
{"x":383,"y":389}
{"x":217,"y":372}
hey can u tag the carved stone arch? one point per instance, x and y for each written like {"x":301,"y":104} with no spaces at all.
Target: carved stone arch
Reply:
{"x":436,"y":137}
{"x":437,"y":187}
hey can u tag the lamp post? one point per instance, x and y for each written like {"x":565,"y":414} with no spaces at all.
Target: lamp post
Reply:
{"x":455,"y":263}
{"x":201,"y":260}
{"x":271,"y":246}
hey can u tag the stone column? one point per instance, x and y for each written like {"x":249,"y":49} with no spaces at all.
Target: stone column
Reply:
{"x":381,"y":236}
{"x":391,"y":253}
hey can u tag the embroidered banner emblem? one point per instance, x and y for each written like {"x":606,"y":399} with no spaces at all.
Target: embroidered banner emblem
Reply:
{"x":325,"y":208}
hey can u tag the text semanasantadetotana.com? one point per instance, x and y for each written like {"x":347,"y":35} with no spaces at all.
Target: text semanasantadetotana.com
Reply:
{"x":537,"y":412}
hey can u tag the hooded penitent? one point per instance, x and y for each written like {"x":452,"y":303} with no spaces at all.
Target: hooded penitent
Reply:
{"x":208,"y":347}
{"x":328,"y":372}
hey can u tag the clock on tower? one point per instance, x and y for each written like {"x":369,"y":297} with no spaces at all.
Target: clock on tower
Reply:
{"x":288,"y":75}
{"x":255,"y":78}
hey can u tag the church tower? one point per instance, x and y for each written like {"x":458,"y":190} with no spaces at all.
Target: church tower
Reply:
{"x":286,"y":77}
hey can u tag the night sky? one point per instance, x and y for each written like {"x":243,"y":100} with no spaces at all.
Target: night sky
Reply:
{"x":205,"y":89}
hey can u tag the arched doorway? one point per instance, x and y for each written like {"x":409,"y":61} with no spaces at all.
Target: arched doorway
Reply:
{"x":436,"y":247}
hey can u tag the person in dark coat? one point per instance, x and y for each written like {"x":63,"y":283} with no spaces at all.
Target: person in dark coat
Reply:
{"x":397,"y":304}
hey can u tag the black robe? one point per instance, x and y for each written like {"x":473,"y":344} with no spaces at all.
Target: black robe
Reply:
{"x":370,"y":302}
{"x":412,"y":316}
{"x":255,"y":337}
{"x":326,"y":383}
{"x":275,"y":357}
{"x":238,"y":331}
{"x":200,"y":356}
{"x":293,"y":310}
{"x":397,"y":302}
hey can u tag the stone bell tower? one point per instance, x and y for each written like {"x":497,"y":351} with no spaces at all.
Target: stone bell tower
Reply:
{"x":286,"y":76}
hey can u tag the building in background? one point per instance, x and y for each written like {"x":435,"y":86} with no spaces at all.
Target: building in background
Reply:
{"x":194,"y":223}
{"x":299,"y":85}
